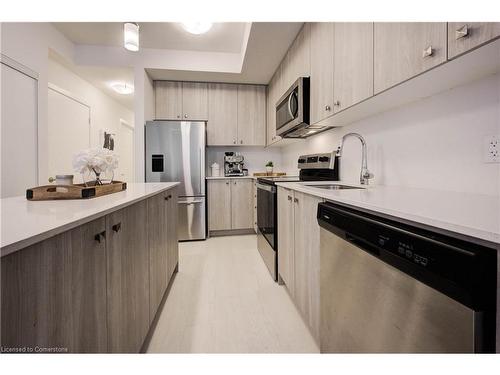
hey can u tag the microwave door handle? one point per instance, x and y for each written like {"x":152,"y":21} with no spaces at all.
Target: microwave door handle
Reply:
{"x":290,"y":105}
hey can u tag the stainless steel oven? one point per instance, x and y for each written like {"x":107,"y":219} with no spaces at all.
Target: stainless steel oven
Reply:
{"x":292,"y":110}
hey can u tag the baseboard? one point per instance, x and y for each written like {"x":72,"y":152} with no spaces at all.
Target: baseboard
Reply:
{"x":235,"y":232}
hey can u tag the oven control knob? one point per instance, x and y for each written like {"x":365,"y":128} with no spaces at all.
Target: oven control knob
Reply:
{"x":324,"y":159}
{"x":302,"y":160}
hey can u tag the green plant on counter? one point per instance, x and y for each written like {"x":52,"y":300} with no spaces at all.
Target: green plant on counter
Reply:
{"x":269,"y":164}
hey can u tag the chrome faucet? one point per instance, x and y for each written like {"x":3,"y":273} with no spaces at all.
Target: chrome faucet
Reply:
{"x":365,"y":174}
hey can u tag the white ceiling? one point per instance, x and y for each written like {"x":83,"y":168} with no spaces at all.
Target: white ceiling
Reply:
{"x":222,"y":37}
{"x":267,"y":45}
{"x":229,"y":52}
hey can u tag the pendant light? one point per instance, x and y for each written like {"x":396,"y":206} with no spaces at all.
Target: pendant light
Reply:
{"x":131,"y":36}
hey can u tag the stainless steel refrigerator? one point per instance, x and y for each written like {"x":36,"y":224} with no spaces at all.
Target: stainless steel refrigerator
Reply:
{"x":175,"y":151}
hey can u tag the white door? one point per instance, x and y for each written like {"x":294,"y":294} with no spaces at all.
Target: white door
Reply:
{"x":68,"y":132}
{"x":124,"y":147}
{"x":19,"y":132}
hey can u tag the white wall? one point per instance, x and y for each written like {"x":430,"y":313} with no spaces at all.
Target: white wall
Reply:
{"x":255,"y":158}
{"x":434,"y":143}
{"x":105,"y":111}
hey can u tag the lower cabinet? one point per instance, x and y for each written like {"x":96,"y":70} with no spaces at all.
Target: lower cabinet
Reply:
{"x":230,"y":204}
{"x":464,"y":36}
{"x":54,"y":293}
{"x":95,"y":288}
{"x":299,"y":253}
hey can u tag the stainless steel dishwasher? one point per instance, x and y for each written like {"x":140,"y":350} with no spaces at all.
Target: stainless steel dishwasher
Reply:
{"x":392,"y":287}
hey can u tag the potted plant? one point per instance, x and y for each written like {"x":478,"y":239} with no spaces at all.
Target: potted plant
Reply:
{"x":269,"y":167}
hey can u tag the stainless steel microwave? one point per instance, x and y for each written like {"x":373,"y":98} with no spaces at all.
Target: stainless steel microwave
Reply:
{"x":292,"y":110}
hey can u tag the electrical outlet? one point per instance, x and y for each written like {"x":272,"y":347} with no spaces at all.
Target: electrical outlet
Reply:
{"x":491,"y":149}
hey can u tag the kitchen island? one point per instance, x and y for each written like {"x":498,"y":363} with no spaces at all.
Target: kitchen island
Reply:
{"x":87,"y":275}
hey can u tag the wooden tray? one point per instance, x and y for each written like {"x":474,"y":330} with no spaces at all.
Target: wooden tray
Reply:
{"x":274,"y":174}
{"x":78,"y":191}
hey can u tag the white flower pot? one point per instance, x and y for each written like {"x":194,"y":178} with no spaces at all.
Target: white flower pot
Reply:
{"x":269,"y":170}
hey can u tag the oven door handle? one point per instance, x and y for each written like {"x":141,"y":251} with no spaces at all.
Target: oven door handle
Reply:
{"x":272,"y":189}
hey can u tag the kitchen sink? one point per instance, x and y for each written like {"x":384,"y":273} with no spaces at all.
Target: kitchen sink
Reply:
{"x":334,"y":187}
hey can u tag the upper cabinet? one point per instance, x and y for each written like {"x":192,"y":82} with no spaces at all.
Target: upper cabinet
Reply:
{"x":273,"y":91}
{"x":464,"y":36}
{"x":222,"y":114}
{"x":194,"y":101}
{"x":353,"y":64}
{"x":321,"y":91}
{"x":251,"y":115}
{"x":181,"y":100}
{"x":403,"y":50}
{"x":168,"y":100}
{"x":297,"y":62}
{"x":236,"y":115}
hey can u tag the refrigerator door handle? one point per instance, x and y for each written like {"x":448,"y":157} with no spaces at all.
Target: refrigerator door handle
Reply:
{"x":191,"y":202}
{"x":201,"y":170}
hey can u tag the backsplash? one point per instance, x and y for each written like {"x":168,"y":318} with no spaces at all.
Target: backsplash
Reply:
{"x":255,"y":157}
{"x":435,"y":143}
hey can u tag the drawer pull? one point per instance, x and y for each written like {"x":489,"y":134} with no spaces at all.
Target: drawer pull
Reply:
{"x":429,"y":51}
{"x":462,"y":32}
{"x":116,"y":228}
{"x":100,"y":236}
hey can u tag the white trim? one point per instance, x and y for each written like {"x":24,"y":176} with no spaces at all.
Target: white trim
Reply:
{"x":67,"y":93}
{"x":126,"y":123}
{"x":6,"y":60}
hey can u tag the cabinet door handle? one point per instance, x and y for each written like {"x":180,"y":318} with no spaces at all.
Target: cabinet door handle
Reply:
{"x":462,"y":32}
{"x":234,"y":142}
{"x":227,"y":183}
{"x":327,"y":107}
{"x":100,"y":236}
{"x":116,"y":228}
{"x":185,"y":116}
{"x":429,"y":51}
{"x":296,"y":200}
{"x":241,"y":142}
{"x":336,"y":103}
{"x":289,"y":198}
{"x":178,"y":116}
{"x":168,"y":197}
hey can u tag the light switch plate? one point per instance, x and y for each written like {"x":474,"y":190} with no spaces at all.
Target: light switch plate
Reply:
{"x":491,"y":149}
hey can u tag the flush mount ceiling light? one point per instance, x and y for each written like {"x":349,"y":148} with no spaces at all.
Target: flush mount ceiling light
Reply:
{"x":131,"y":36}
{"x":122,"y":88}
{"x":197,"y":27}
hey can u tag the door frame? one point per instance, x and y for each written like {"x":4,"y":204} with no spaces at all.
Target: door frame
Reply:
{"x":132,"y":128}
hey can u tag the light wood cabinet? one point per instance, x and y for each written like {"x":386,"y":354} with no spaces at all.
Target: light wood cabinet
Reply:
{"x":297,"y":62}
{"x":286,"y":238}
{"x":241,"y":204}
{"x":219,"y":205}
{"x":168,"y":100}
{"x":273,"y":95}
{"x":403,"y":50}
{"x":299,"y":253}
{"x":464,"y":36}
{"x":251,"y":115}
{"x":54,"y":292}
{"x":181,"y":101}
{"x":353,"y":64}
{"x":172,"y":215}
{"x":158,"y":250}
{"x":127,"y":278}
{"x":194,"y":101}
{"x":321,"y":83}
{"x":306,"y":261}
{"x":230,"y":204}
{"x":222,"y":126}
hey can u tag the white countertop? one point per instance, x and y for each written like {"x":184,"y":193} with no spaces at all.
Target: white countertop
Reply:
{"x":27,"y":222}
{"x":473,"y":215}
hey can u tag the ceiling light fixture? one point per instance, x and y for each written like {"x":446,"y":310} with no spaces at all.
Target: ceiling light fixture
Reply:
{"x":131,"y":36}
{"x":122,"y":88}
{"x":197,"y":27}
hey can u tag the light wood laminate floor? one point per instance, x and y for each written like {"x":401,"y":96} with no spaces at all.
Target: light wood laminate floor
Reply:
{"x":223,"y":300}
